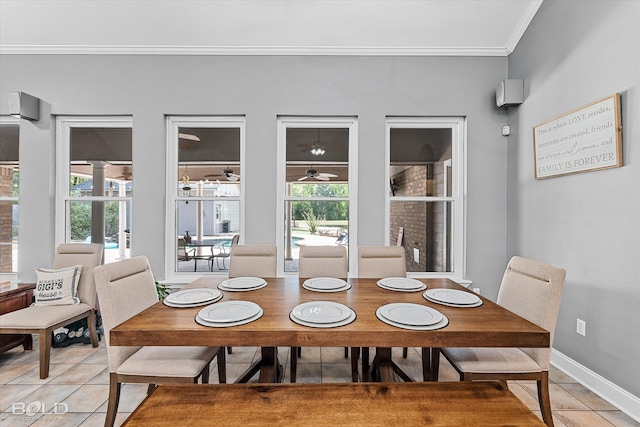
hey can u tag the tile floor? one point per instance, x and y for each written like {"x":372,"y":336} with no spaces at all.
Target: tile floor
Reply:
{"x":79,"y":381}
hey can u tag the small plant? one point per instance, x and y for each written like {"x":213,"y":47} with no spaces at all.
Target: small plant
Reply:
{"x":162,"y":289}
{"x":312,"y":221}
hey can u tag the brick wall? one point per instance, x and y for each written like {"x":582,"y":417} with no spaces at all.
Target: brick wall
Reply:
{"x":423,"y":224}
{"x":6,"y":253}
{"x":411,"y":216}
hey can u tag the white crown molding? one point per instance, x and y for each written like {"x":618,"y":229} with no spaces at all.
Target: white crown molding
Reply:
{"x":617,"y":396}
{"x":522,"y":26}
{"x":251,"y":50}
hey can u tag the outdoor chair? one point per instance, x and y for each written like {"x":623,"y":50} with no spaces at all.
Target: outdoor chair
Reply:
{"x":223,"y":254}
{"x":187,"y":254}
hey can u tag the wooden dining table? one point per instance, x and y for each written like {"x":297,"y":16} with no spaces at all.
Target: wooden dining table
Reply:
{"x":488,"y":325}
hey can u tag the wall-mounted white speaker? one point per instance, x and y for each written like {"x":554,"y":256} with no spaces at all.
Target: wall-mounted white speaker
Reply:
{"x":24,"y":106}
{"x":510,"y":93}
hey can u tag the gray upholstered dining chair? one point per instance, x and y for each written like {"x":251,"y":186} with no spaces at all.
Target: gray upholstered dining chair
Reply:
{"x":253,"y":260}
{"x":43,"y":320}
{"x":533,"y":290}
{"x":126,"y":288}
{"x":378,"y":262}
{"x":321,"y":261}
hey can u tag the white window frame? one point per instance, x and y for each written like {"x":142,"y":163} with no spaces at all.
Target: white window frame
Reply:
{"x":173,"y":123}
{"x":350,"y":123}
{"x":10,"y":276}
{"x":64,"y":124}
{"x":458,"y":197}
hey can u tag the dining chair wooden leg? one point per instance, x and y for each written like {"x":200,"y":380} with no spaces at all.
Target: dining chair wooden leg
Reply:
{"x":205,"y":374}
{"x":355,"y":355}
{"x":435,"y":363}
{"x":346,"y":352}
{"x":114,"y":399}
{"x":427,"y":363}
{"x":93,"y":332}
{"x":45,"y":352}
{"x":222,"y":366}
{"x":294,"y":364}
{"x":365,"y":364}
{"x":543,"y":398}
{"x":405,"y":352}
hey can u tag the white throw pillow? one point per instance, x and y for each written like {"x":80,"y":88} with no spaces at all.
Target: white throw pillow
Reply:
{"x":57,"y":287}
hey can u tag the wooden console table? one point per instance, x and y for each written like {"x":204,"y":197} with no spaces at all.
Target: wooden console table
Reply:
{"x":12,"y":298}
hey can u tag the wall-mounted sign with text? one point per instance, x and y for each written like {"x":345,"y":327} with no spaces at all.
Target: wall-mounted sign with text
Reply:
{"x":586,"y":139}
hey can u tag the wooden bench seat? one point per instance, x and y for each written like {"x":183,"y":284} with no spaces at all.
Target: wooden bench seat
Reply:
{"x":351,"y":404}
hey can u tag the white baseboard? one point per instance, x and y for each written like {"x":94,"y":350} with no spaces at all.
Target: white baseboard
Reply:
{"x":620,"y":398}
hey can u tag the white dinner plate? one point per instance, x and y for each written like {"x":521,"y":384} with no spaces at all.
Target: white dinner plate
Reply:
{"x":411,"y":314}
{"x":321,"y":312}
{"x":193,"y":296}
{"x":224,"y":288}
{"x":452,"y":296}
{"x":346,"y":286}
{"x":229,"y":311}
{"x":402,"y":290}
{"x":324,"y":283}
{"x":478,"y":304}
{"x":195,"y":304}
{"x":346,"y":321}
{"x":242,"y":284}
{"x":441,"y":324}
{"x":203,"y":322}
{"x":401,"y":284}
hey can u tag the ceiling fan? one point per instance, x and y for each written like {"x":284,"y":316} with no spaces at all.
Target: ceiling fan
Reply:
{"x":321,"y":176}
{"x":228,"y":173}
{"x":126,"y":174}
{"x":185,"y":140}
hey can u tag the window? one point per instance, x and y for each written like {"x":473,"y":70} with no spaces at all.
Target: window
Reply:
{"x":9,"y":190}
{"x":205,"y":183}
{"x":95,"y":183}
{"x":425,"y":197}
{"x":316,"y":180}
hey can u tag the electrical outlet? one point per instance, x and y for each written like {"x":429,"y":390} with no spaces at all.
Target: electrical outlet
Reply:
{"x":476,"y":290}
{"x":416,"y":255}
{"x":581,"y":327}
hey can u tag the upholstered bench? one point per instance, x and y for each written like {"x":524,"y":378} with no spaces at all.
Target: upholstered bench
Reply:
{"x":370,"y":404}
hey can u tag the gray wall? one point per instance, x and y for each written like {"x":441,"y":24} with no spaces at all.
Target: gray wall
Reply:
{"x":574,"y":54}
{"x":150,"y":87}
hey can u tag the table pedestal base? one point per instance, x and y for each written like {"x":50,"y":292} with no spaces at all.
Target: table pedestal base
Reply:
{"x":384,"y":369}
{"x":271,"y":371}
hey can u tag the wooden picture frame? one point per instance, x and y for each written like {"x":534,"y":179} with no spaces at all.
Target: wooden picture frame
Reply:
{"x":586,"y":139}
